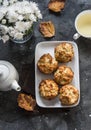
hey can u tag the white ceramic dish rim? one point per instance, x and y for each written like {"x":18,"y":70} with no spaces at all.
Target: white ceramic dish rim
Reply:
{"x":54,"y":42}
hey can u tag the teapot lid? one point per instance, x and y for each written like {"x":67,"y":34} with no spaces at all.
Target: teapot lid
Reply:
{"x":4,"y":72}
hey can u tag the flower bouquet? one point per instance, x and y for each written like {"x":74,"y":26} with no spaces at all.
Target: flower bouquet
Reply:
{"x":17,"y":18}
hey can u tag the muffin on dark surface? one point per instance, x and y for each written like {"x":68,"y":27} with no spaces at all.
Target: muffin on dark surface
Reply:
{"x":64,"y":52}
{"x":48,"y":89}
{"x":47,"y":29}
{"x":63,"y":75}
{"x":47,"y":64}
{"x":56,"y":5}
{"x":26,"y":102}
{"x":68,"y":95}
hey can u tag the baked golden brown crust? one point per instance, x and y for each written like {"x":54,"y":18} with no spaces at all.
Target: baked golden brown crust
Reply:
{"x":47,"y":29}
{"x":63,"y":75}
{"x":69,"y":95}
{"x":47,"y":64}
{"x":26,"y":102}
{"x":56,"y":5}
{"x":48,"y":89}
{"x":64,"y":52}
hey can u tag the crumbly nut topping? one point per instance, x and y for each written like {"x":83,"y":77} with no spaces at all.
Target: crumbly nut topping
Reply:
{"x":63,"y":75}
{"x":48,"y":89}
{"x":64,"y":52}
{"x":69,"y":95}
{"x":47,"y":64}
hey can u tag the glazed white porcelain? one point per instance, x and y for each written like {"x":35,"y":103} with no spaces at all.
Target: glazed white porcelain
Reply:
{"x":80,"y":17}
{"x":8,"y":77}
{"x":48,"y":47}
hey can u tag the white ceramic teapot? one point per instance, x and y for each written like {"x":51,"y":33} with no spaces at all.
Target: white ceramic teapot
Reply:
{"x":8,"y":77}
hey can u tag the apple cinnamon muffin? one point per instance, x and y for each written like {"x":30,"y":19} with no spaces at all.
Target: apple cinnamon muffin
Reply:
{"x":64,"y":52}
{"x":63,"y":75}
{"x":48,"y":89}
{"x":47,"y":64}
{"x":68,"y":95}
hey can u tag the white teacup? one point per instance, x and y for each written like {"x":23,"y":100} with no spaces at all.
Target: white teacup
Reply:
{"x":83,"y":25}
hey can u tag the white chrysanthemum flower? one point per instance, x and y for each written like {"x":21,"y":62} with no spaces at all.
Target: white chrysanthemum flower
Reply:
{"x":3,"y":29}
{"x":32,"y":17}
{"x":14,"y":7}
{"x":26,"y":16}
{"x":11,"y":28}
{"x":22,"y":14}
{"x":3,"y":21}
{"x":1,"y":15}
{"x":3,"y":10}
{"x":13,"y":32}
{"x":19,"y":9}
{"x":20,"y":26}
{"x":12,"y":1}
{"x":38,"y":14}
{"x":28,"y":25}
{"x":23,"y":9}
{"x":5,"y":38}
{"x":25,"y":3}
{"x":18,"y":36}
{"x":5,"y":2}
{"x":20,"y":17}
{"x":12,"y":17}
{"x":27,"y":10}
{"x":33,"y":5}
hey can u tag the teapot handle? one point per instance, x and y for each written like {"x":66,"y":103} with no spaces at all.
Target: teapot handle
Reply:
{"x":15,"y":86}
{"x":76,"y":36}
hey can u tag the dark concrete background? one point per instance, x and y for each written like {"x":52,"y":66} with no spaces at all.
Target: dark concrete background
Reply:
{"x":77,"y":118}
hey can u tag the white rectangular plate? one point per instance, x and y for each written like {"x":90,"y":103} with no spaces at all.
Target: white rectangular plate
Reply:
{"x":48,"y":47}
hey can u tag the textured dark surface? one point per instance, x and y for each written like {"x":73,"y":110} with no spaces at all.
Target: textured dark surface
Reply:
{"x":77,"y":118}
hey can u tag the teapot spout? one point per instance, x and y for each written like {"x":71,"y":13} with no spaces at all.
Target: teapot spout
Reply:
{"x":15,"y":86}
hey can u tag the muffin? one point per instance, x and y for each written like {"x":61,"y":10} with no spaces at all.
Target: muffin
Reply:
{"x":47,"y":64}
{"x":63,"y":75}
{"x":47,"y":29}
{"x":64,"y":52}
{"x":68,"y":95}
{"x":48,"y":89}
{"x":56,"y":5}
{"x":26,"y":102}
